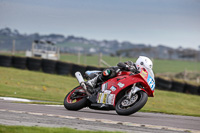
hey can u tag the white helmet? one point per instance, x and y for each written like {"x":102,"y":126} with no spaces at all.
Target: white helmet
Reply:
{"x":145,"y":62}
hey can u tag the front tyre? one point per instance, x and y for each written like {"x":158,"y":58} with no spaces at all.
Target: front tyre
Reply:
{"x":128,"y":107}
{"x":74,"y":100}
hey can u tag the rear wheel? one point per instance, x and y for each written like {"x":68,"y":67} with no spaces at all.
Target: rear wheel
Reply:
{"x":127,"y":107}
{"x":76,"y":99}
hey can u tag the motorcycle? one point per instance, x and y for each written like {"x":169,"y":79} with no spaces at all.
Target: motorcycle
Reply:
{"x":126,"y":93}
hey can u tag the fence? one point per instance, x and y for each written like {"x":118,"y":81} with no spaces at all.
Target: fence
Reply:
{"x":64,"y":68}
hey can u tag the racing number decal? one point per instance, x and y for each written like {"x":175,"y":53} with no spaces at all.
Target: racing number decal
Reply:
{"x":151,"y":82}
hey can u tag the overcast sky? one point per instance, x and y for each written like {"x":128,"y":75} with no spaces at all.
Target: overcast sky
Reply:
{"x":173,"y":23}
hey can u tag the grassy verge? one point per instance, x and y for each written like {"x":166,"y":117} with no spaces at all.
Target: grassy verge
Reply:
{"x":160,"y":66}
{"x":23,"y":129}
{"x":34,"y":85}
{"x":173,"y":103}
{"x":41,"y":86}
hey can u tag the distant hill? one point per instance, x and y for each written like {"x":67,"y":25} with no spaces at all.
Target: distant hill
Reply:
{"x":23,"y":41}
{"x":67,"y":44}
{"x":73,"y":44}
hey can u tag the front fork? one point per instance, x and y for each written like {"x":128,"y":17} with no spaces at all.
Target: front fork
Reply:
{"x":134,"y":89}
{"x":81,"y":82}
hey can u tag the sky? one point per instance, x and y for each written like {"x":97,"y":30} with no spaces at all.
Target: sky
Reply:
{"x":172,"y":23}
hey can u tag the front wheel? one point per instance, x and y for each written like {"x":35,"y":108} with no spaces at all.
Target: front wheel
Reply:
{"x":127,"y":107}
{"x":75,"y":99}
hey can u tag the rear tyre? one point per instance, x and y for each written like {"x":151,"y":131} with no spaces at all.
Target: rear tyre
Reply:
{"x":126,"y":107}
{"x":78,"y":103}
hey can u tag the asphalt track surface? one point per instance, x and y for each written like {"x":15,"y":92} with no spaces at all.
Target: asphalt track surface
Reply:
{"x":87,"y":119}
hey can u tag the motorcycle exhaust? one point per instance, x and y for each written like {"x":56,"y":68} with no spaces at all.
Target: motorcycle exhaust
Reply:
{"x":79,"y":77}
{"x":81,"y":81}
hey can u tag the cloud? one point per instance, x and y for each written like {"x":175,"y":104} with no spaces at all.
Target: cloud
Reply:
{"x":172,"y":22}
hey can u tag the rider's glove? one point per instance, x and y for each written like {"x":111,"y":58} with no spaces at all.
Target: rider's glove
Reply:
{"x":123,"y":66}
{"x":129,"y":63}
{"x":128,"y":66}
{"x":133,"y":69}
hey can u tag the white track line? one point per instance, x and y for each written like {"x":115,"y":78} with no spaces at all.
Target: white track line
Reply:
{"x":22,"y":100}
{"x":15,"y":99}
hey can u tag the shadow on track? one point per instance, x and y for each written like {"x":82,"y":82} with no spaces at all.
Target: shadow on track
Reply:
{"x":108,"y":112}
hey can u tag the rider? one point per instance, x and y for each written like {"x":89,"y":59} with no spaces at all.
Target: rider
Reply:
{"x":113,"y":71}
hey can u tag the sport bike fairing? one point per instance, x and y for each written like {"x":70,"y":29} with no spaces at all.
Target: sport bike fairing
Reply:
{"x":111,"y":88}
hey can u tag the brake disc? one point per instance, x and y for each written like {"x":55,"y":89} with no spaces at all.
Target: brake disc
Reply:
{"x":127,"y":102}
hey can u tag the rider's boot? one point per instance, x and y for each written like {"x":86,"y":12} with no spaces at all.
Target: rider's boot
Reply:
{"x":91,"y":84}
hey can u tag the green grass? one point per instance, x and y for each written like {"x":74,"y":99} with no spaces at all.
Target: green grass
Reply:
{"x":49,"y":87}
{"x":173,"y":103}
{"x":22,"y":54}
{"x":34,"y":85}
{"x":159,"y":66}
{"x":23,"y":129}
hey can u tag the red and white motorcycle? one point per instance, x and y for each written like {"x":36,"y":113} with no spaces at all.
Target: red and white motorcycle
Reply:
{"x":126,"y":93}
